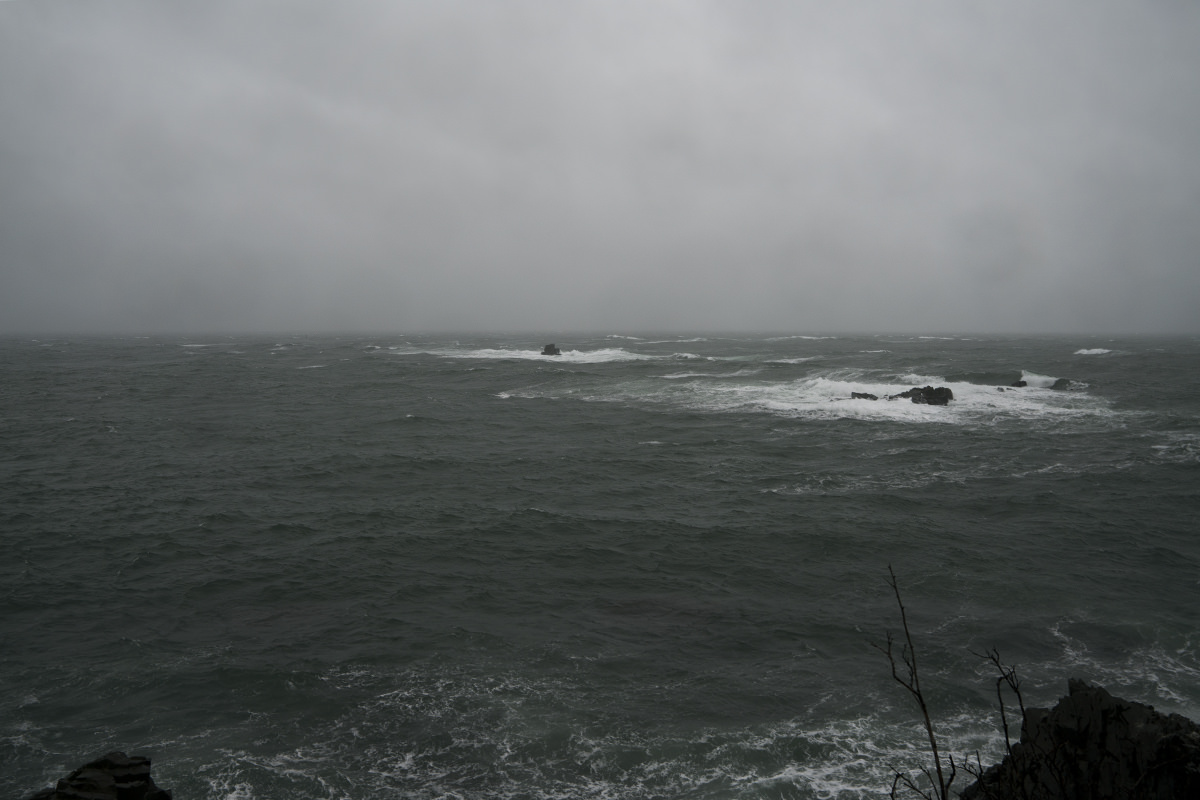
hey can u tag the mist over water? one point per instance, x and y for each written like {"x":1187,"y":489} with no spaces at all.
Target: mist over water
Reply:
{"x":430,"y":566}
{"x":599,"y":165}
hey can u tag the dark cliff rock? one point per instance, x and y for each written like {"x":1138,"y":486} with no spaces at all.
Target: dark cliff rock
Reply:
{"x":1093,"y":745}
{"x":862,"y":396}
{"x":115,"y":776}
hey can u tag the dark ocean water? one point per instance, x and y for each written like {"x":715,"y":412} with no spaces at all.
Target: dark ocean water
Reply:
{"x":426,"y":567}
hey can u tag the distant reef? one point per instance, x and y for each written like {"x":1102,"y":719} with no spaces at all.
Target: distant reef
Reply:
{"x":115,"y":776}
{"x":1093,"y":746}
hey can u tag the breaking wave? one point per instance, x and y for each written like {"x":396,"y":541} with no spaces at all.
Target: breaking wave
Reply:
{"x":828,"y":396}
{"x":598,"y":356}
{"x":507,"y":736}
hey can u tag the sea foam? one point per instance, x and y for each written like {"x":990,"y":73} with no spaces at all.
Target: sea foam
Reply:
{"x":827,"y":395}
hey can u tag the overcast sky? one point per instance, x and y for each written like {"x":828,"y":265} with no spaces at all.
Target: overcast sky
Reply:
{"x":599,"y":165}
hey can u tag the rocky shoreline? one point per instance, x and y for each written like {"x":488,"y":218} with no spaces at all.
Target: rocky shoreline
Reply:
{"x":1090,"y":746}
{"x":1093,"y":746}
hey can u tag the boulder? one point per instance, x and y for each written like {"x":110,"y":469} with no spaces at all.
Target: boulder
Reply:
{"x":1093,"y":745}
{"x":551,"y":350}
{"x":926,"y":395}
{"x":115,"y":776}
{"x":862,"y":396}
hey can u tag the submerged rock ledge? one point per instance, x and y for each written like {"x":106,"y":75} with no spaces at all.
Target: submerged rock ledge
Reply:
{"x":1092,"y":746}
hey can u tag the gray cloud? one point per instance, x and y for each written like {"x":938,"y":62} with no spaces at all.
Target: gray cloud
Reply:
{"x":599,"y":165}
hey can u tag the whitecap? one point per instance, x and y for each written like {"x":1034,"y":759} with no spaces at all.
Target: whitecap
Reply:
{"x":1095,"y":351}
{"x":919,"y":380}
{"x":828,"y":396}
{"x":1040,"y":381}
{"x":600,"y":356}
{"x":741,"y":373}
{"x":1148,"y":668}
{"x":1181,"y":448}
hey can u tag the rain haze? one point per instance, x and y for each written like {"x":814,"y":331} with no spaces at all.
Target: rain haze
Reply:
{"x":605,"y":166}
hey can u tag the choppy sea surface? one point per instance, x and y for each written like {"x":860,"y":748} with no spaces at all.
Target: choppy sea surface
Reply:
{"x":402,"y":566}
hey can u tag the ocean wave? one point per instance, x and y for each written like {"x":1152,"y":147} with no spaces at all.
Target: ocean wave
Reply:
{"x":1181,"y":448}
{"x":1049,"y":381}
{"x":1149,"y":671}
{"x":741,"y":373}
{"x":1095,"y":351}
{"x":828,"y":396}
{"x":834,"y":485}
{"x":445,"y":735}
{"x":681,"y":375}
{"x":914,"y":379}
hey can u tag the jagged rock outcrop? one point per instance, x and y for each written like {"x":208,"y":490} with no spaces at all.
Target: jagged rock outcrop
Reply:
{"x":115,"y":776}
{"x":927,"y":395}
{"x":1093,"y":746}
{"x":551,"y":350}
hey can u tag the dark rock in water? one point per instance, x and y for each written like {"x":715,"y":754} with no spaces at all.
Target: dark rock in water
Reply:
{"x":926,"y":395}
{"x":116,"y":776}
{"x":551,"y":350}
{"x":1019,"y":384}
{"x":862,"y":396}
{"x":1093,"y":745}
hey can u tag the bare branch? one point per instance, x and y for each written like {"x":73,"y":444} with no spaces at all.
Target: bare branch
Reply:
{"x":911,"y":681}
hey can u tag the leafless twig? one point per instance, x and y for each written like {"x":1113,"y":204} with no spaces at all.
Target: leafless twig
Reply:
{"x":905,"y":673}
